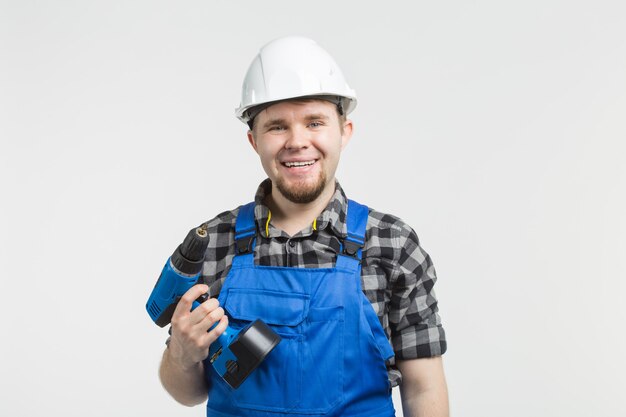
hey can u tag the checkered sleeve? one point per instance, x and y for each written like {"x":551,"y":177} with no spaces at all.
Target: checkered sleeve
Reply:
{"x":416,"y":329}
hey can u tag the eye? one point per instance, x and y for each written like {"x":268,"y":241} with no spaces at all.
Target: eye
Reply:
{"x":276,"y":128}
{"x":316,"y":123}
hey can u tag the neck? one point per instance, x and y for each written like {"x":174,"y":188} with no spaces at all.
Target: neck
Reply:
{"x":294,"y":217}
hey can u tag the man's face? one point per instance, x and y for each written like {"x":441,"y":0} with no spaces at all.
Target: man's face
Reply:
{"x":299,"y":143}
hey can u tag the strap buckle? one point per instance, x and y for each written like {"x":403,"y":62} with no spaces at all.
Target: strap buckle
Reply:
{"x":244,"y":244}
{"x":351,"y":246}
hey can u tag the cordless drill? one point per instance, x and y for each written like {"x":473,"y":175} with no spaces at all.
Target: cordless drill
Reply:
{"x":236,"y":353}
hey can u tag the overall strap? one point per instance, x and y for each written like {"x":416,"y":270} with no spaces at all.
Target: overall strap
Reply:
{"x":356,"y":221}
{"x":245,"y":233}
{"x":351,"y":253}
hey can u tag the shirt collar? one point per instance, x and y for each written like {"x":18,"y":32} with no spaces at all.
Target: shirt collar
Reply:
{"x":332,"y":217}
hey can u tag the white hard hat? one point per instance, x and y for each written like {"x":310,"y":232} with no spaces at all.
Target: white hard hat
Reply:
{"x":292,"y":67}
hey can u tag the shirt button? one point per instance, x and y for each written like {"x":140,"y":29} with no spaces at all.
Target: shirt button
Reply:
{"x":292,"y":243}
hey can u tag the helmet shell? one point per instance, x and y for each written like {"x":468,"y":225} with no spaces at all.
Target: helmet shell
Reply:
{"x":292,"y":67}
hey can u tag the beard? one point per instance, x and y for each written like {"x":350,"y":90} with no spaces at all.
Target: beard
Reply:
{"x":302,"y":192}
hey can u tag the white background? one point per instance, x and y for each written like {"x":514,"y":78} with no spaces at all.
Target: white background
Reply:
{"x":494,"y":128}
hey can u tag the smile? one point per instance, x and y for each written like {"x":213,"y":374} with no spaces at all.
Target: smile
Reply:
{"x":298,"y":164}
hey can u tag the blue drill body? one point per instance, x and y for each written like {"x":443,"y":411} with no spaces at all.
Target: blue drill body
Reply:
{"x":169,"y":289}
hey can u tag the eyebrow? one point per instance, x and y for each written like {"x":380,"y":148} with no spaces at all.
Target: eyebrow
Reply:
{"x":308,"y":117}
{"x":316,"y":116}
{"x":272,"y":122}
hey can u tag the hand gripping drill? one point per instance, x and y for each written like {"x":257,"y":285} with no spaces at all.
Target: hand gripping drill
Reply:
{"x":236,"y":353}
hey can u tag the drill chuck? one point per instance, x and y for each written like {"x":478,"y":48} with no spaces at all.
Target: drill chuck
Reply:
{"x":189,"y":256}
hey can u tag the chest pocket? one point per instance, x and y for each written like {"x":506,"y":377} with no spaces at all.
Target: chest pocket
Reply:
{"x":302,"y":374}
{"x":281,"y":309}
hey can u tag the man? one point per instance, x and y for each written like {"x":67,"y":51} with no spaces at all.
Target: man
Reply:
{"x":346,"y":287}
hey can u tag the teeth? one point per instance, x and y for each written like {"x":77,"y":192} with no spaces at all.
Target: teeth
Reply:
{"x":298,"y":164}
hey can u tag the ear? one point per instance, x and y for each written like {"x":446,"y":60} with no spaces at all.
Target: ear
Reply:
{"x":252,"y":141}
{"x":347,"y":133}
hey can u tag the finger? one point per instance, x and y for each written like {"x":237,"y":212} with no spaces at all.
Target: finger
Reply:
{"x":218,"y":330}
{"x":186,"y":301}
{"x":210,"y":319}
{"x":203,"y":310}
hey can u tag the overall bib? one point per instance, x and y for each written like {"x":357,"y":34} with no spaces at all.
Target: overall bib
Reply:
{"x":331,"y":360}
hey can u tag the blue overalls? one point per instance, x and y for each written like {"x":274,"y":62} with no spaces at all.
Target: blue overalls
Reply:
{"x":331,"y":360}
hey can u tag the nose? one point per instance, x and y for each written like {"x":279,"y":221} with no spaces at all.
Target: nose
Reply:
{"x":298,"y":138}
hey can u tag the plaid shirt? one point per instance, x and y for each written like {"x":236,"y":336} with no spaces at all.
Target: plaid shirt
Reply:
{"x":397,"y":275}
